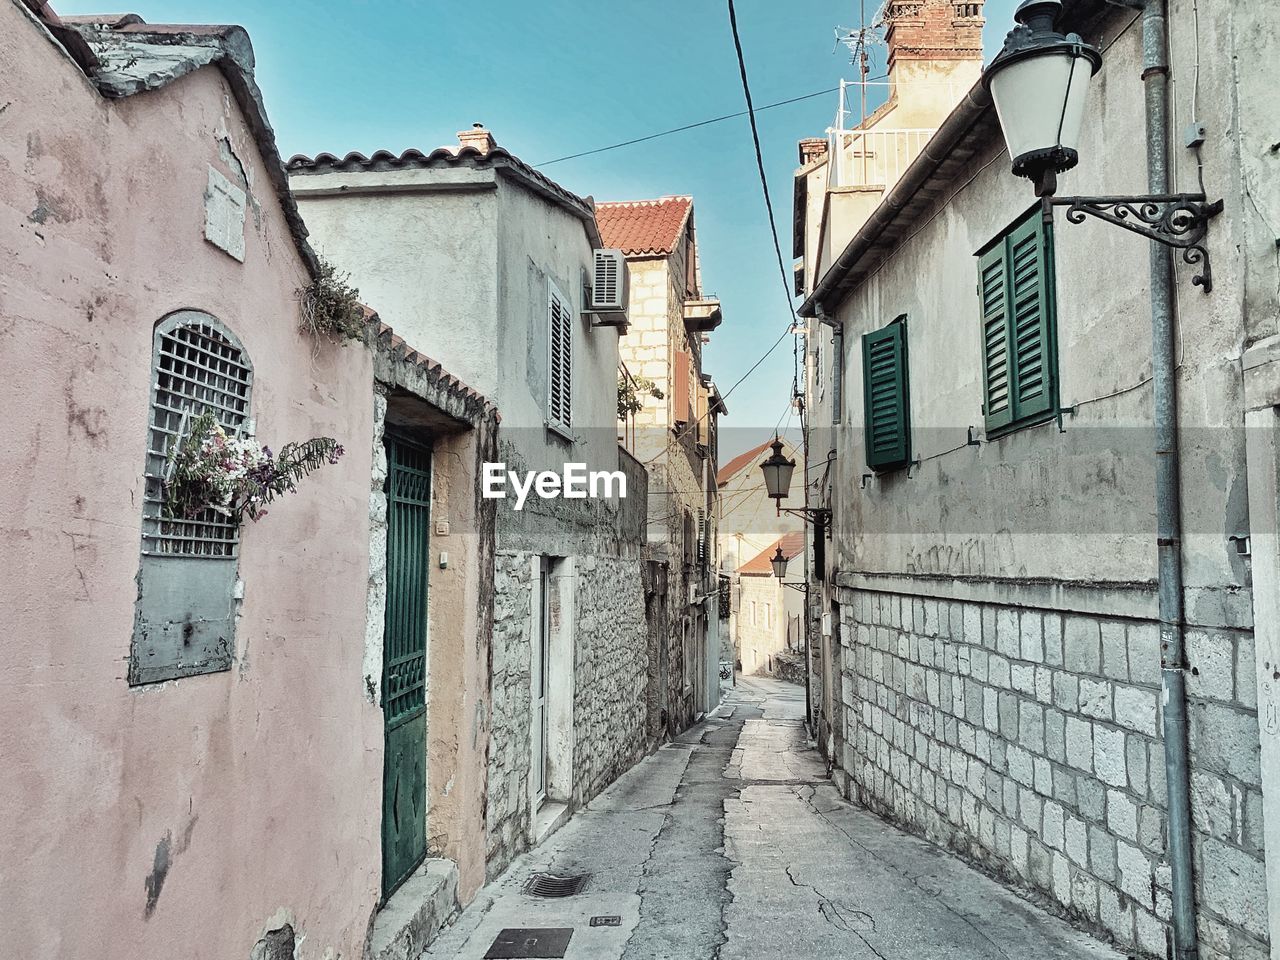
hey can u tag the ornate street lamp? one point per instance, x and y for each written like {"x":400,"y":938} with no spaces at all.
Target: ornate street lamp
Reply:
{"x":779,"y":564}
{"x":777,"y":469}
{"x":777,"y":472}
{"x":1039,"y":82}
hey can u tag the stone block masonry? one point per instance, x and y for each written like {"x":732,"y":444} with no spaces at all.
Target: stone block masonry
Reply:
{"x":1029,"y":741}
{"x":610,"y":679}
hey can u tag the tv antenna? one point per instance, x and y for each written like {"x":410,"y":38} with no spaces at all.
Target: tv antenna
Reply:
{"x":858,"y":41}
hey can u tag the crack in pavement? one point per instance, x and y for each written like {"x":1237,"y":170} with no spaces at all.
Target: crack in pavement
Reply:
{"x":935,"y":895}
{"x":684,"y":884}
{"x":825,"y":903}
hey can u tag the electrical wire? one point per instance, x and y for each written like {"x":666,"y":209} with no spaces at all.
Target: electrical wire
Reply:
{"x":755,"y":140}
{"x":687,"y":126}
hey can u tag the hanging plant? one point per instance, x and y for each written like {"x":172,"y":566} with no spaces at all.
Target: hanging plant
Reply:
{"x":235,"y":476}
{"x":331,"y":307}
{"x":629,"y":389}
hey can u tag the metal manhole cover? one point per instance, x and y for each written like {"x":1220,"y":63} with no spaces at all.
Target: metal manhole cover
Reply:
{"x":606,"y":921}
{"x":520,"y":942}
{"x":550,"y":885}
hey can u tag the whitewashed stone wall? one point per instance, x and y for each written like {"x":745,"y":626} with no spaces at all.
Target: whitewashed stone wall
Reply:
{"x":1030,"y":741}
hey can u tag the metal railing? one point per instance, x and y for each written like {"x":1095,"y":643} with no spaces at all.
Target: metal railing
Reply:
{"x":873,"y":158}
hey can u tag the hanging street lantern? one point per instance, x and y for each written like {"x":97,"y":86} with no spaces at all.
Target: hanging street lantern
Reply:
{"x":1040,"y":85}
{"x":779,"y":563}
{"x":777,"y":472}
{"x":1039,"y":82}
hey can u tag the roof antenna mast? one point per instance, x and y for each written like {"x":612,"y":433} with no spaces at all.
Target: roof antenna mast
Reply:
{"x":858,"y":41}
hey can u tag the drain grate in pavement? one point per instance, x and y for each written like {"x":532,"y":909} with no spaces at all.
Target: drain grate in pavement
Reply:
{"x":606,"y":921}
{"x":550,"y":885}
{"x":520,"y":942}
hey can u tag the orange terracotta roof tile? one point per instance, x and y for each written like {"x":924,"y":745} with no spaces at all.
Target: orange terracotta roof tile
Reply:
{"x":644,"y":228}
{"x":792,"y":545}
{"x":741,"y":460}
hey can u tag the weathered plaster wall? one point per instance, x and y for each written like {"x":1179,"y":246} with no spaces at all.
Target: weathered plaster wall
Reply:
{"x":450,"y":237}
{"x":1054,"y":487}
{"x":151,"y":797}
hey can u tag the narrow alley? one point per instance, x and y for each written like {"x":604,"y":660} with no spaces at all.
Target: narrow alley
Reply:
{"x":731,"y":843}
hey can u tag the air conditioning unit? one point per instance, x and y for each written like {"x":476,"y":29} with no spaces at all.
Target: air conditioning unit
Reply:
{"x":610,"y":287}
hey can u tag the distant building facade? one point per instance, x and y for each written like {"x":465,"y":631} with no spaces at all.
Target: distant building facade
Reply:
{"x":770,"y":616}
{"x":676,"y":434}
{"x":750,"y":524}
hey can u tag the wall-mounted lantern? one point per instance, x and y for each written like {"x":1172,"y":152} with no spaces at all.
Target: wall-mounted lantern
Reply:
{"x":779,"y":564}
{"x":777,"y":472}
{"x":1039,"y":82}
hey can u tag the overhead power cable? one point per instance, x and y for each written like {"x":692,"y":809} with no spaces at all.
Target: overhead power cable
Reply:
{"x":755,"y":139}
{"x":687,"y":126}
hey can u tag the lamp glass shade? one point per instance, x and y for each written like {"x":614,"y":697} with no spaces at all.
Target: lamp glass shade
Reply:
{"x":777,"y":473}
{"x":1041,"y":99}
{"x":779,"y":563}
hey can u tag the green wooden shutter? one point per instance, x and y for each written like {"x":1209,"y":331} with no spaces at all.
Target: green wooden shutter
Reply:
{"x":992,"y":291}
{"x":884,"y":379}
{"x":1019,"y":356}
{"x":1031,"y":322}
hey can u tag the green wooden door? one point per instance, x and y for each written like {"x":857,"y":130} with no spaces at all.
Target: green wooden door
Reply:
{"x":404,"y":671}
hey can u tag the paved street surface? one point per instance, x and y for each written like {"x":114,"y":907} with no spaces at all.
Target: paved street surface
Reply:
{"x":731,"y":844}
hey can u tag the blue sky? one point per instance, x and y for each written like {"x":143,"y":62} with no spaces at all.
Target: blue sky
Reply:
{"x":557,"y":77}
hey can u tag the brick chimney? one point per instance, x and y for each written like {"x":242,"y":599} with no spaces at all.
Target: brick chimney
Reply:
{"x":477,"y":137}
{"x":934,"y":30}
{"x":811,"y":148}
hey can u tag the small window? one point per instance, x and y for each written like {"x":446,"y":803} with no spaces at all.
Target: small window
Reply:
{"x":184,"y":617}
{"x":837,"y":374}
{"x":1019,"y":349}
{"x":887,"y":430}
{"x":560,"y":340}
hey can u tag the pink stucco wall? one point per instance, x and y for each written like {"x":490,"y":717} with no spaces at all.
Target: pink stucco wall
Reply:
{"x":264,"y":782}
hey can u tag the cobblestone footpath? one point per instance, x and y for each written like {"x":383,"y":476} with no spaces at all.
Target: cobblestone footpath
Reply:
{"x":731,"y":843}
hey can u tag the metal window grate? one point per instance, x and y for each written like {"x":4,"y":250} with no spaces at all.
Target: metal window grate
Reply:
{"x":197,"y":368}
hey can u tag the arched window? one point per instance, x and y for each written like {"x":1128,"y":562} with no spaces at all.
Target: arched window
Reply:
{"x":184,"y":622}
{"x":197,"y":365}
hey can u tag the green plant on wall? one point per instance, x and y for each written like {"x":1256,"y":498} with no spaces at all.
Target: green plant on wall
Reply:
{"x":235,"y":476}
{"x":629,"y":391}
{"x":331,"y":307}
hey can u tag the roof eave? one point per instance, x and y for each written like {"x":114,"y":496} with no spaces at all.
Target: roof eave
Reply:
{"x":833,"y":288}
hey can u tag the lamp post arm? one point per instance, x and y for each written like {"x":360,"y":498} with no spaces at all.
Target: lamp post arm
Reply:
{"x":1179,"y":220}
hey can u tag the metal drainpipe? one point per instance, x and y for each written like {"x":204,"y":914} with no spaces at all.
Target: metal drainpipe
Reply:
{"x":1155,"y":79}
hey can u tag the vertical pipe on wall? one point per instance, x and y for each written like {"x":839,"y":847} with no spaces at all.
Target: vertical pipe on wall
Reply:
{"x":1155,"y":78}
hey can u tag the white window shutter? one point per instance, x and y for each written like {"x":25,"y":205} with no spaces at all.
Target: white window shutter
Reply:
{"x":560,"y":338}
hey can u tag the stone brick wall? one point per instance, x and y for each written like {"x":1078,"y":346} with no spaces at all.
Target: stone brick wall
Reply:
{"x":611,"y":662}
{"x":507,"y":813}
{"x":1030,"y":741}
{"x":610,"y":678}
